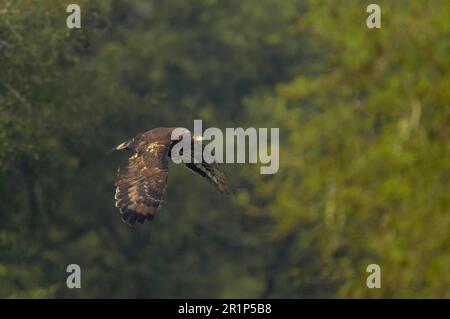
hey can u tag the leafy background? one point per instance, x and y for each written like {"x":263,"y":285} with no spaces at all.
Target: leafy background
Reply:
{"x":364,"y":120}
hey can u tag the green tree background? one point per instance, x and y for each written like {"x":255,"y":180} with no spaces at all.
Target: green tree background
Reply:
{"x":364,"y":120}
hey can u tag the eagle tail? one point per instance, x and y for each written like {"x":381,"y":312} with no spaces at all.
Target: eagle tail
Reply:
{"x":128,"y":145}
{"x":122,"y":146}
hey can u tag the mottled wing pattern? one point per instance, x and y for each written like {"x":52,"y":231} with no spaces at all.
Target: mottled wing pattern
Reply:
{"x":141,"y":186}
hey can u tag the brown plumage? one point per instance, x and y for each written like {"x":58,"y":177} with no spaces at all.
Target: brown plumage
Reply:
{"x":141,"y":185}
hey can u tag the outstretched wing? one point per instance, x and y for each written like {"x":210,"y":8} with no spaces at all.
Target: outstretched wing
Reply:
{"x":141,"y":186}
{"x":210,"y":171}
{"x":213,"y":174}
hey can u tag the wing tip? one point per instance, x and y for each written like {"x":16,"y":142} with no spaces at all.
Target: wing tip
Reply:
{"x":130,"y":217}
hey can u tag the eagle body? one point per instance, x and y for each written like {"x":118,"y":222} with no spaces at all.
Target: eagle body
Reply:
{"x":141,"y":185}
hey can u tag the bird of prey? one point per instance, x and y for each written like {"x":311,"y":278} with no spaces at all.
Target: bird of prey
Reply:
{"x":141,"y":185}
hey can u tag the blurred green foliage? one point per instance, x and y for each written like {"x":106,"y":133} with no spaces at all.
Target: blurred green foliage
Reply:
{"x":364,"y":120}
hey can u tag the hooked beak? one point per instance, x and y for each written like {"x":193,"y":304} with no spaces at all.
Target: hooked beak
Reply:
{"x":197,"y":138}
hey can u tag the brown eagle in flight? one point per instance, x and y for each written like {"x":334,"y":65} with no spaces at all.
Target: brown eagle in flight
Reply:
{"x":141,"y":185}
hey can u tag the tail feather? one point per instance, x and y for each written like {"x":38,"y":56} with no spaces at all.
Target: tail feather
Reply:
{"x":128,"y":145}
{"x":122,"y":146}
{"x":119,"y":147}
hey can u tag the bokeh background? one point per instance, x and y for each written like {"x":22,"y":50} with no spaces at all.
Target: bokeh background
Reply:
{"x":364,"y":120}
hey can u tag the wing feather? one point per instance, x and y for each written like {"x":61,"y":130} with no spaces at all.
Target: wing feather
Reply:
{"x":212,"y":172}
{"x":141,"y":185}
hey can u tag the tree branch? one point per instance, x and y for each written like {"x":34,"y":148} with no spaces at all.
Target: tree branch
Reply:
{"x":16,"y":94}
